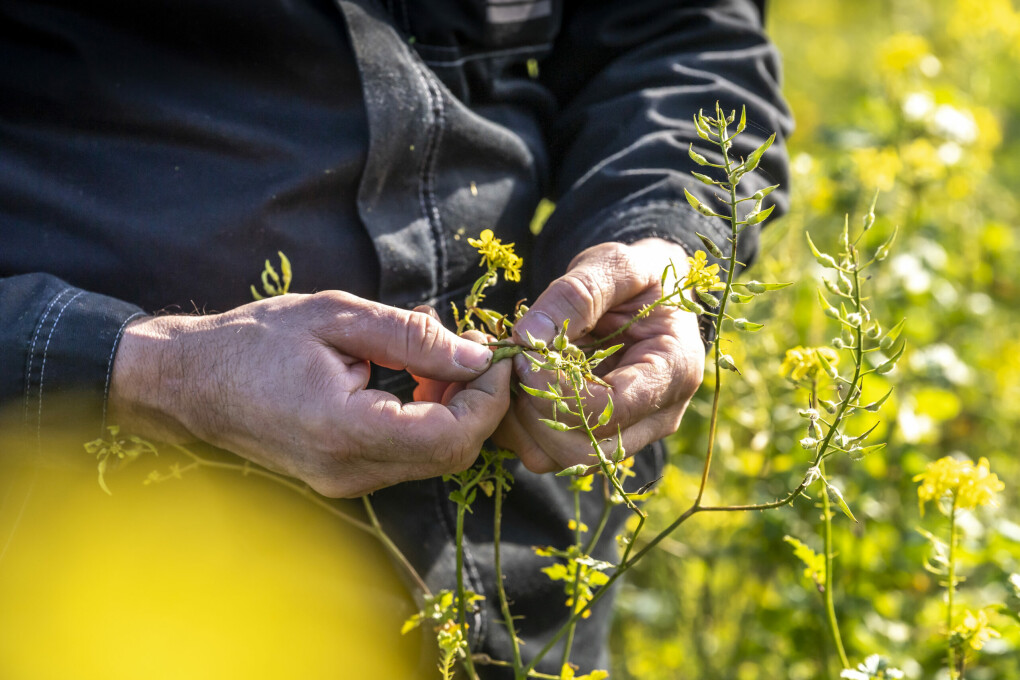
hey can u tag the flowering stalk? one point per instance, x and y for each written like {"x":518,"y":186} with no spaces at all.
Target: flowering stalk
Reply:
{"x":955,"y":485}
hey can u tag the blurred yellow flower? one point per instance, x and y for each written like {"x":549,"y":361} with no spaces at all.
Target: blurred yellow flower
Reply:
{"x":802,"y":362}
{"x":901,"y":51}
{"x":968,"y":485}
{"x":876,"y":168}
{"x":497,"y":255}
{"x":921,"y":161}
{"x":978,"y":18}
{"x":975,"y":630}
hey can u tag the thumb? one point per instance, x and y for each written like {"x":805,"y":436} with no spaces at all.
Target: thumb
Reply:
{"x":600,"y":279}
{"x":399,"y":339}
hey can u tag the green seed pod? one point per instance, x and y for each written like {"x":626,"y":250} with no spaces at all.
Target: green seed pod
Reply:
{"x":573,"y":471}
{"x":710,"y":244}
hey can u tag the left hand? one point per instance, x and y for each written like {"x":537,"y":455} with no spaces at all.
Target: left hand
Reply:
{"x":651,"y":380}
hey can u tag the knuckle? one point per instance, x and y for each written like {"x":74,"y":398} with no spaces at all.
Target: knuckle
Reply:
{"x":581,"y":295}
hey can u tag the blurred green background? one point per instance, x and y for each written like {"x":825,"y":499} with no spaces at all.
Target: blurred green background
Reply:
{"x":920,"y":100}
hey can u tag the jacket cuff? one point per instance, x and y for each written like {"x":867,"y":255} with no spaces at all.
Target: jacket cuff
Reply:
{"x":69,"y":357}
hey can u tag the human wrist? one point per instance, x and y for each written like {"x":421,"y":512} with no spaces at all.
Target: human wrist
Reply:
{"x":147,"y":382}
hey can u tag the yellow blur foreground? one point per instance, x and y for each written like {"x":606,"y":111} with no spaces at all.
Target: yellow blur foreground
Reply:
{"x":211,"y":576}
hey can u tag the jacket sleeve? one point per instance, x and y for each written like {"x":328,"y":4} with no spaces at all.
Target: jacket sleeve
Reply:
{"x":57,"y":344}
{"x":629,"y":77}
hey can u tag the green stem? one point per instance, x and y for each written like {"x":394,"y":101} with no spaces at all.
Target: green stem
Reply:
{"x":607,"y":507}
{"x":717,"y":343}
{"x":504,"y":604}
{"x":572,"y":626}
{"x":830,"y":608}
{"x":461,"y":593}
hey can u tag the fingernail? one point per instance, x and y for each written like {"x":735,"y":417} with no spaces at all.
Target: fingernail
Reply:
{"x":539,"y":324}
{"x":472,"y":356}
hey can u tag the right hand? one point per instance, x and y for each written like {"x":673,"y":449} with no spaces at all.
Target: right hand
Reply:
{"x":282,"y":382}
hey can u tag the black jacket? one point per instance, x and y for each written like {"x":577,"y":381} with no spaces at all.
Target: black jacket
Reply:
{"x":153,"y":154}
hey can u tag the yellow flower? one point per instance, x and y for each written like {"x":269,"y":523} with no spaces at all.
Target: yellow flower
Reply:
{"x":968,"y":485}
{"x":497,"y":255}
{"x":876,"y":168}
{"x":802,"y":362}
{"x":975,"y":630}
{"x":702,"y":275}
{"x":901,"y":51}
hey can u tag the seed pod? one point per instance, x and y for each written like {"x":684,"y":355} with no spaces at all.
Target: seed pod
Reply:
{"x":696,"y":157}
{"x":883,"y":250}
{"x":699,"y":206}
{"x":710,"y":244}
{"x":745,"y":325}
{"x":573,"y":471}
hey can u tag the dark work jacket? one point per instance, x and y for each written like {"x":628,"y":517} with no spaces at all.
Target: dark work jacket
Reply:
{"x":153,"y":154}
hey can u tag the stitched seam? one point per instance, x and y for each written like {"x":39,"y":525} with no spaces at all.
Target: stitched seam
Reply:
{"x":436,"y":218}
{"x":109,"y":362}
{"x":46,"y":349}
{"x":423,"y":168}
{"x":31,"y":351}
{"x":426,"y":193}
{"x":494,"y":54}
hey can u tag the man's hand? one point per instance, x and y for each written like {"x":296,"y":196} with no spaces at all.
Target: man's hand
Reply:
{"x":282,"y":383}
{"x":651,"y":380}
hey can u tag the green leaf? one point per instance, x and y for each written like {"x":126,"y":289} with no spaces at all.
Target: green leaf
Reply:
{"x":607,"y":413}
{"x":814,"y":563}
{"x":743,"y":120}
{"x":411,"y":624}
